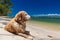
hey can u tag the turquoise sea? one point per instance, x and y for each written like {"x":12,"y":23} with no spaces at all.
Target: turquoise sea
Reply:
{"x":54,"y":19}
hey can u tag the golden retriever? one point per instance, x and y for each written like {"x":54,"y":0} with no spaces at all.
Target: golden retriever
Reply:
{"x":18,"y":25}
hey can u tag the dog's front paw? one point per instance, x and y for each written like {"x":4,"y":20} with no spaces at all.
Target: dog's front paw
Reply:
{"x":30,"y":38}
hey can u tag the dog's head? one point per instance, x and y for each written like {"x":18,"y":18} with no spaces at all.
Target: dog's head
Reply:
{"x":22,"y":16}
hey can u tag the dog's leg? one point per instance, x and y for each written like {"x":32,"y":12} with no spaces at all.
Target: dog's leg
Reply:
{"x":28,"y":33}
{"x":25,"y":36}
{"x":20,"y":34}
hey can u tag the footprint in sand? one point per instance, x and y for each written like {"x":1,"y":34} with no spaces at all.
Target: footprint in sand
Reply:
{"x":50,"y":37}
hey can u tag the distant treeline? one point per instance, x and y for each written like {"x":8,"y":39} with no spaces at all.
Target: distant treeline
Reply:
{"x":46,"y":18}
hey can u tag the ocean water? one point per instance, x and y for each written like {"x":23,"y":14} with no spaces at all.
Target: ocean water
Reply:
{"x":54,"y":19}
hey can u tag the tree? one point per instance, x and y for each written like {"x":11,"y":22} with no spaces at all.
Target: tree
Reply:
{"x":5,"y":6}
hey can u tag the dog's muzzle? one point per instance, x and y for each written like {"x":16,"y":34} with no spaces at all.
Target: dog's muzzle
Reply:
{"x":27,"y":17}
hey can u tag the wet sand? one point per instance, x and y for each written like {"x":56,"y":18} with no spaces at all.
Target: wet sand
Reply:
{"x":46,"y":25}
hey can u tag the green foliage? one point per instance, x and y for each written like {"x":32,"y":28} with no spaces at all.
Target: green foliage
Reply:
{"x":5,"y":6}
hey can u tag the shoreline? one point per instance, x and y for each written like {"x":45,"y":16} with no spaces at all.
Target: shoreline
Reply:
{"x":46,"y":25}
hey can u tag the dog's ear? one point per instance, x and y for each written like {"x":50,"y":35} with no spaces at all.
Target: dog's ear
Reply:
{"x":18,"y":16}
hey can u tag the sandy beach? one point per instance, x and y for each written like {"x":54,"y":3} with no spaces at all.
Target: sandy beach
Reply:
{"x":46,"y":25}
{"x":38,"y":32}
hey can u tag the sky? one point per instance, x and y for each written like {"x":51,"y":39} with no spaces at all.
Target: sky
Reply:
{"x":36,"y":7}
